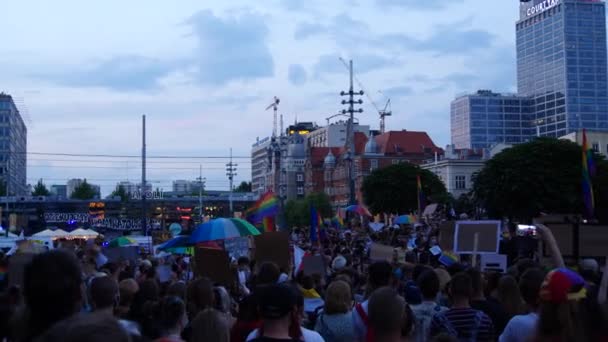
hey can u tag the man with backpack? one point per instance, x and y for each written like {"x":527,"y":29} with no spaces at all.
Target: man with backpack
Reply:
{"x":428,"y":283}
{"x":461,"y":321}
{"x":379,"y":275}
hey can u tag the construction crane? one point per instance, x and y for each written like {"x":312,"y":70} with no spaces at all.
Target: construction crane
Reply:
{"x":382,"y":112}
{"x":275,"y":106}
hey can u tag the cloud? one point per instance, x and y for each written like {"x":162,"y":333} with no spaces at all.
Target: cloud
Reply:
{"x":417,"y":4}
{"x":230,"y":49}
{"x":398,"y":91}
{"x":122,"y":73}
{"x":307,"y":30}
{"x":365,"y":62}
{"x":342,"y":28}
{"x":297,"y":74}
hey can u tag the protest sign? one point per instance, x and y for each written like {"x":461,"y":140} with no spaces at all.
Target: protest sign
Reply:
{"x":592,"y":241}
{"x":313,"y":264}
{"x":435,"y":250}
{"x":380,"y":252}
{"x":298,"y":255}
{"x":215,"y":265}
{"x":494,"y":263}
{"x":119,"y":254}
{"x":16,"y":268}
{"x":164,"y":273}
{"x":376,"y":227}
{"x":429,"y":210}
{"x":488,"y":233}
{"x":273,"y":247}
{"x":237,"y":247}
{"x":446,"y":235}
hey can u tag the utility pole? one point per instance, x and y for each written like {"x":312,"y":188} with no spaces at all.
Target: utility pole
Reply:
{"x":144,"y":224}
{"x":201,"y":185}
{"x":231,"y":172}
{"x":350,"y":133}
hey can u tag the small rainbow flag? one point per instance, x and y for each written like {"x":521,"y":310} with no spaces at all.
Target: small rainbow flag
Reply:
{"x":338,"y":222}
{"x":420,"y":195}
{"x":267,"y":205}
{"x":588,"y":170}
{"x":268,"y":224}
{"x":448,"y":259}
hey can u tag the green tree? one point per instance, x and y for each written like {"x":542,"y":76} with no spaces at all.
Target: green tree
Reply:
{"x":297,"y":212}
{"x":543,"y":175}
{"x":393,"y":189}
{"x":84,"y":191}
{"x":120,"y":192}
{"x":243,"y":187}
{"x":464,"y":205}
{"x":40,"y":189}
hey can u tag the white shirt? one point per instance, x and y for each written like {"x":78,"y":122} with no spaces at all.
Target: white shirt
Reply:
{"x":520,"y":328}
{"x":360,"y":327}
{"x":307,"y":335}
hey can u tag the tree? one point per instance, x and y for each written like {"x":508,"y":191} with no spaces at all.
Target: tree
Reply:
{"x":543,"y":175}
{"x":243,"y":187}
{"x":40,"y":189}
{"x":393,"y":189}
{"x":84,"y":191}
{"x":121,"y":192}
{"x":297,"y":212}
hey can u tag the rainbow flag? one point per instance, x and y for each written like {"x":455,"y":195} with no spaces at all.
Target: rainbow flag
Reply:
{"x":448,"y":259}
{"x":337,"y":222}
{"x":588,"y":170}
{"x":266,"y":206}
{"x":268,"y":224}
{"x":420,"y":195}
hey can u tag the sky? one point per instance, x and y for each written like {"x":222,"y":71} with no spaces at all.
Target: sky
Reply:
{"x":203,"y":73}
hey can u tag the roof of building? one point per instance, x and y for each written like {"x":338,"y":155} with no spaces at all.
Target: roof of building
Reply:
{"x":395,"y":142}
{"x":318,"y":154}
{"x":360,"y":141}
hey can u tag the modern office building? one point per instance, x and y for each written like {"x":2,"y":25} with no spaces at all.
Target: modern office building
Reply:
{"x":74,"y":183}
{"x":485,"y":118}
{"x":59,"y":190}
{"x":334,"y":134}
{"x":13,"y":147}
{"x":561,"y":64}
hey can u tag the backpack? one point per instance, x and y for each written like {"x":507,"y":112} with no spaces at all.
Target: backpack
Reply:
{"x":445,"y":322}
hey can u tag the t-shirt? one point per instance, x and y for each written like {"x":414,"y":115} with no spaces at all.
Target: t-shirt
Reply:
{"x":423,"y":314}
{"x":495,"y":310}
{"x":520,"y":328}
{"x":465,"y":323}
{"x":360,"y":327}
{"x":307,"y":335}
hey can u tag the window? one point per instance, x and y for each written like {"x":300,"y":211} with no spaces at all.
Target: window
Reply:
{"x":374,"y":164}
{"x":461,"y":182}
{"x":395,"y":161}
{"x":299,"y":177}
{"x":596,"y":147}
{"x":300,"y":190}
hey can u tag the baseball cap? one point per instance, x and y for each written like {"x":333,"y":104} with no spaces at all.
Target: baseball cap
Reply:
{"x":562,"y":285}
{"x":276,"y":301}
{"x":590,"y":265}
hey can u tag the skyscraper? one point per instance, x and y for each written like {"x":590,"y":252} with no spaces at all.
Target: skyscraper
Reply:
{"x":561,"y":64}
{"x":13,"y":147}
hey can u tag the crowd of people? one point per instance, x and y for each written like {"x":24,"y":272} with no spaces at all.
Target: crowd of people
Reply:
{"x":76,"y":295}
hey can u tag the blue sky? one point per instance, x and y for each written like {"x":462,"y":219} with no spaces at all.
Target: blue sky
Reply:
{"x":203,"y":72}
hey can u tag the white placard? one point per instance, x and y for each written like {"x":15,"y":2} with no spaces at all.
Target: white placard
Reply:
{"x":488,"y":237}
{"x":494,"y":262}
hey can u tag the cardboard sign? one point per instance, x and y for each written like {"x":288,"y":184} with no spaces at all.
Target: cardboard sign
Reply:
{"x":592,"y":241}
{"x":378,"y":252}
{"x":435,"y":250}
{"x":273,"y":247}
{"x":446,"y":235}
{"x":16,"y":268}
{"x":494,"y":263}
{"x":164,"y":273}
{"x":119,"y":254}
{"x":313,"y":264}
{"x":487,"y":231}
{"x":215,"y":265}
{"x":237,"y":247}
{"x":430,"y":209}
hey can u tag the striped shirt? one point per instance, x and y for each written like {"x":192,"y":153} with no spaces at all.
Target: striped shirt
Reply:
{"x":465,"y":323}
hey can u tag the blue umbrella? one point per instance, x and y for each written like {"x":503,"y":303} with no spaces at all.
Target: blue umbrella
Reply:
{"x":221,"y":229}
{"x":176,"y":242}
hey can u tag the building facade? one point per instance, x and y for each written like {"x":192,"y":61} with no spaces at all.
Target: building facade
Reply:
{"x":562,"y":64}
{"x":13,"y":148}
{"x":334,"y":134}
{"x":59,"y":190}
{"x":596,"y":140}
{"x":74,"y":183}
{"x":485,"y":118}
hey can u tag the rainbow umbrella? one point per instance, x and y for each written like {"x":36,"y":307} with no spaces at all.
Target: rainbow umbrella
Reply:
{"x":221,"y":229}
{"x":177,"y":242}
{"x":405,"y":219}
{"x":359,"y":209}
{"x":122,"y":241}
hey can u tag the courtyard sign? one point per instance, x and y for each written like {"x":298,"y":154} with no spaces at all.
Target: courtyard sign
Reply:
{"x":541,"y":7}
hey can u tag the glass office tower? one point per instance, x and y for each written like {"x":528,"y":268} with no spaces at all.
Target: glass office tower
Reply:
{"x":561,"y":64}
{"x":13,"y":147}
{"x":484,"y":119}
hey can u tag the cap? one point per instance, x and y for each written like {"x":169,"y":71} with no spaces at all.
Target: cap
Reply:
{"x":276,"y":301}
{"x":562,"y":285}
{"x":590,"y":265}
{"x":338,"y":263}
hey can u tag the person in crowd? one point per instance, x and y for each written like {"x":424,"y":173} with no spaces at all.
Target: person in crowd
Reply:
{"x":92,"y":327}
{"x":312,"y":299}
{"x":223,"y":304}
{"x":268,"y":273}
{"x":142,"y":310}
{"x":127,"y":289}
{"x":566,"y":312}
{"x":278,"y":307}
{"x":379,"y":275}
{"x":52,"y":289}
{"x":589,"y":270}
{"x":335,"y":323}
{"x":428,"y":283}
{"x":521,"y":327}
{"x":248,"y":319}
{"x":509,"y":297}
{"x":461,"y":320}
{"x":489,"y":306}
{"x":210,"y":325}
{"x":172,"y":318}
{"x":387,"y":316}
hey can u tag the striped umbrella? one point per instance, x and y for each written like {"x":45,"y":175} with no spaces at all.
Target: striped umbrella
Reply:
{"x":176,"y":242}
{"x":221,"y":229}
{"x":359,"y":209}
{"x":122,"y":241}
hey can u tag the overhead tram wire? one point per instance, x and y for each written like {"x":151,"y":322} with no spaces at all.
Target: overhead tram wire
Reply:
{"x":129,"y":156}
{"x":127,"y":161}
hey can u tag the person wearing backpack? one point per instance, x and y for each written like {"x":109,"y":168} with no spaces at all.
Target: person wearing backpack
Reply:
{"x":428,"y":283}
{"x":379,"y":275}
{"x":461,"y":321}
